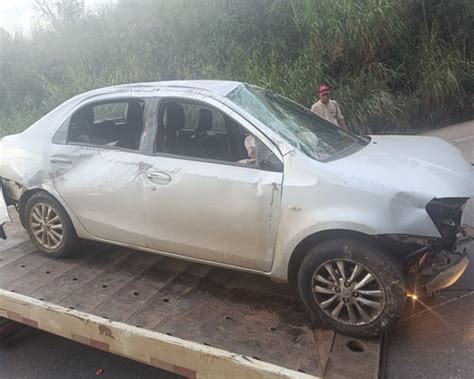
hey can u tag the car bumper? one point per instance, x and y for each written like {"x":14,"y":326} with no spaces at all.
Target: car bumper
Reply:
{"x":441,"y":269}
{"x":4,"y":216}
{"x":448,"y":276}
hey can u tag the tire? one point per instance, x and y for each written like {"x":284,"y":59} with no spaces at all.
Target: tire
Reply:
{"x":49,"y":226}
{"x":381,"y":296}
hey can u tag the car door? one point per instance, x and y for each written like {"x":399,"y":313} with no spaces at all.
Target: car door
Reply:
{"x":100,"y":181}
{"x":214,"y":209}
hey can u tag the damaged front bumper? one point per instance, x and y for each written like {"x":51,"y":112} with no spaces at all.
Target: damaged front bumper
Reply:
{"x":4,"y":216}
{"x":441,"y":269}
{"x":447,"y":276}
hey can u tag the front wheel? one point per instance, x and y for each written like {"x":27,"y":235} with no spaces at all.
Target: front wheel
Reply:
{"x":49,"y":226}
{"x":352,"y":286}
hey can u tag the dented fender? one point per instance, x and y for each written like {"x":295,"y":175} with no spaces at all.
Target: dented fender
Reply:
{"x":320,"y":197}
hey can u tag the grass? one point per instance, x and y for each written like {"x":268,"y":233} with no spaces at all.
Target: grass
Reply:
{"x":392,"y":66}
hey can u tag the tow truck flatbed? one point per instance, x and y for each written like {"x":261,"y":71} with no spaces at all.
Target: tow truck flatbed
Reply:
{"x":191,"y":319}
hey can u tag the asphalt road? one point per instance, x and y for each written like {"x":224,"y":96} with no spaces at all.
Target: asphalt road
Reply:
{"x":37,"y":354}
{"x":435,"y":340}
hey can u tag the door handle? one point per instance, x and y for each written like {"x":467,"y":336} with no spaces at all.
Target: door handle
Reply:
{"x":159,"y":177}
{"x":61,"y":161}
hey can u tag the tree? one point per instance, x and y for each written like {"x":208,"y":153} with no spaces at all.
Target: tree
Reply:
{"x":61,"y":13}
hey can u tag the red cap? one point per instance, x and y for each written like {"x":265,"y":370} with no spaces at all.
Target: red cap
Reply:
{"x":323,"y":88}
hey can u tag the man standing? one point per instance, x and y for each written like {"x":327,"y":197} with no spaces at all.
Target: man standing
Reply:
{"x":328,"y":109}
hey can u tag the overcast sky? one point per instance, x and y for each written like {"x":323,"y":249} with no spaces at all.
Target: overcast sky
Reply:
{"x":19,"y":14}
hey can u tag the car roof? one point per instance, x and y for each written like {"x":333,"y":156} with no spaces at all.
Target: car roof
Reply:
{"x":220,"y":87}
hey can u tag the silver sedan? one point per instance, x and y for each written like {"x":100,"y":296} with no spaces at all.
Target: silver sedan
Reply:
{"x":233,"y":175}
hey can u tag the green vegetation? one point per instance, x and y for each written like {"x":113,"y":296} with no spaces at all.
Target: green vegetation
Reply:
{"x":395,"y":66}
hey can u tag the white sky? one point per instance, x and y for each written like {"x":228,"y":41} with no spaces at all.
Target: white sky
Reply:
{"x":18,"y":15}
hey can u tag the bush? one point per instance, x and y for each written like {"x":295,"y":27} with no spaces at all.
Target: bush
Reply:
{"x":394,"y":66}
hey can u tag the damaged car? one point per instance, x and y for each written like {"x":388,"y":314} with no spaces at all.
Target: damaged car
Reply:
{"x":232,"y":175}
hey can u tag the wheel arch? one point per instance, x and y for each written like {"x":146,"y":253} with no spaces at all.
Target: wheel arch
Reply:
{"x":27,"y":194}
{"x":69,"y":240}
{"x":305,"y":245}
{"x":24,"y":200}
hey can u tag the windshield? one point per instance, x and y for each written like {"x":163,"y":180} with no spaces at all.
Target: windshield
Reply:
{"x":299,"y":126}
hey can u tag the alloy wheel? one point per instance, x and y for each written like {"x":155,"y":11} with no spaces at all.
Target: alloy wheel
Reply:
{"x":348,"y":292}
{"x":46,"y":226}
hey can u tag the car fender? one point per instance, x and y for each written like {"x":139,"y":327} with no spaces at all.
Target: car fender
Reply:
{"x":382,"y":217}
{"x":47,"y":187}
{"x":316,"y":201}
{"x":80,"y":230}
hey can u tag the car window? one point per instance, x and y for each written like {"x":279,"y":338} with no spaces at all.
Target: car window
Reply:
{"x":112,"y":124}
{"x":198,"y":117}
{"x":193,"y":130}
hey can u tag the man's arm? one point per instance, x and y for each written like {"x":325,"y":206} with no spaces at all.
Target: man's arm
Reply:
{"x":342,"y":124}
{"x":340,"y":118}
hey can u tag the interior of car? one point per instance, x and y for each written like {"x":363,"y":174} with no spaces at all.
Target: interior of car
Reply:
{"x":185,"y":128}
{"x":118,"y":123}
{"x":194,"y":130}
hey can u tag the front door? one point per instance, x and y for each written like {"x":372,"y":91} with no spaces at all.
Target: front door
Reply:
{"x":206,"y":197}
{"x":213,"y":212}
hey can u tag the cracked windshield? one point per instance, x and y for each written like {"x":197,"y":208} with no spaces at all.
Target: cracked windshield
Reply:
{"x":297,"y":125}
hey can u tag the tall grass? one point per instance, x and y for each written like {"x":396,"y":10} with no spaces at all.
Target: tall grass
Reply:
{"x":393,"y":65}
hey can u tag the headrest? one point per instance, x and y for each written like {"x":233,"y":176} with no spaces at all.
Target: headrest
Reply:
{"x":205,"y":120}
{"x":174,"y":117}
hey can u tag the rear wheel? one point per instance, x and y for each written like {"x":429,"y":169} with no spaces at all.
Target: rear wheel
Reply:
{"x":352,"y":286}
{"x":49,"y":226}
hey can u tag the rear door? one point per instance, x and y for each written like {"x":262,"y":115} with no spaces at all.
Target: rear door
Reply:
{"x":98,"y":171}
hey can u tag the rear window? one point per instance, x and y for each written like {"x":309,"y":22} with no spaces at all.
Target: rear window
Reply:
{"x":115,"y":123}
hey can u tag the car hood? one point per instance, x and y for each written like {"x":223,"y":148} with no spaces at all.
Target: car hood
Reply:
{"x":426,"y":166}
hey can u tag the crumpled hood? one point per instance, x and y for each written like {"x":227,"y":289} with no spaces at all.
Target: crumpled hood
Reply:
{"x":425,"y":166}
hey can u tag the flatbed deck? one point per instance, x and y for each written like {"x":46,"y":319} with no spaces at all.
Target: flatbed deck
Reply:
{"x":192,"y":319}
